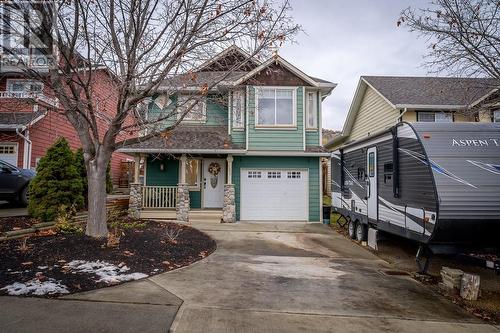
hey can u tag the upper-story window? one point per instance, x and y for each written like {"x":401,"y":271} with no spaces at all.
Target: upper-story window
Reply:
{"x":275,"y":107}
{"x":496,"y":116}
{"x":24,"y":86}
{"x":238,"y":108}
{"x":197,"y":113}
{"x":437,"y":117}
{"x":312,"y":109}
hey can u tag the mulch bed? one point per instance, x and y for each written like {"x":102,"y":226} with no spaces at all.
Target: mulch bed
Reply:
{"x":144,"y":250}
{"x":16,"y":223}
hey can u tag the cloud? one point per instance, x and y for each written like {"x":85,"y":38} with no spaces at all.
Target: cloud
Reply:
{"x":344,"y":40}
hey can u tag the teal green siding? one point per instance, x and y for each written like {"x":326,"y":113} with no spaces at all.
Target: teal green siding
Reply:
{"x":239,"y":137}
{"x":216,"y":112}
{"x":312,"y":138}
{"x":271,"y":139}
{"x":168,"y":177}
{"x":263,"y":162}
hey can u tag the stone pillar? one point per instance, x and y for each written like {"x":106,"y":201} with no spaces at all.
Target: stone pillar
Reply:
{"x":229,"y":208}
{"x":135,"y":200}
{"x":182,"y":208}
{"x":137,"y":167}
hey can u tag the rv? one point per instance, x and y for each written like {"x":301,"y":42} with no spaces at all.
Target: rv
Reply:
{"x":435,"y":183}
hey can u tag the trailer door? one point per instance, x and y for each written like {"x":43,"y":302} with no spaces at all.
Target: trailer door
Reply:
{"x":372,"y":190}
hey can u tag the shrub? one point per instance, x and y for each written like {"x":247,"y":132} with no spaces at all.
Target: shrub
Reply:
{"x":56,"y":183}
{"x":63,"y":219}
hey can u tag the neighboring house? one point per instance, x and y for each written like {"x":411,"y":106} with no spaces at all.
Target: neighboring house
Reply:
{"x":328,"y":135}
{"x":30,"y":122}
{"x":250,"y":150}
{"x":382,"y":101}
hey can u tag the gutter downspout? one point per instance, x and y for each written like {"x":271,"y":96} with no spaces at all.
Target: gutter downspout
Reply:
{"x":27,"y":148}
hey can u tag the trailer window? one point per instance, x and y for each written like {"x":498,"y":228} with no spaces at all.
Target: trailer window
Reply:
{"x":388,"y":173}
{"x":371,"y":164}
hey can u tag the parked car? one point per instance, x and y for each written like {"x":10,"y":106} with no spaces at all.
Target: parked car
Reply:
{"x":14,"y":183}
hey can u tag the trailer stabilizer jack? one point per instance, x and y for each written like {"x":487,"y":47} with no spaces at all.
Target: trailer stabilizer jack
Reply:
{"x":423,"y":259}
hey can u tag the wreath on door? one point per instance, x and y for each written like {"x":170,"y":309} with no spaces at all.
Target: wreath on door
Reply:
{"x":214,"y":169}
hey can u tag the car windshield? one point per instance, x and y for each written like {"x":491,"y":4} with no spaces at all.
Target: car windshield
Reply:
{"x":5,"y":165}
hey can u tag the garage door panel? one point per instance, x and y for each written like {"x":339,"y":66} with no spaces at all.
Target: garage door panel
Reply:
{"x":274,"y":195}
{"x":8,"y":152}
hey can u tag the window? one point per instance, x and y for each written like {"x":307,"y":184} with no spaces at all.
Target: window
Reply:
{"x":193,"y":173}
{"x":274,"y":174}
{"x":24,"y":86}
{"x":254,"y":174}
{"x":388,"y":173}
{"x":238,"y":108}
{"x":438,"y":117}
{"x":496,"y":116}
{"x":8,"y":149}
{"x":275,"y":107}
{"x":293,"y":174}
{"x":312,"y":109}
{"x":371,"y":164}
{"x":197,"y":112}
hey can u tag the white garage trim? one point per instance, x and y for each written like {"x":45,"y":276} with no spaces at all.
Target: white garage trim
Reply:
{"x":9,"y":158}
{"x":249,"y":205}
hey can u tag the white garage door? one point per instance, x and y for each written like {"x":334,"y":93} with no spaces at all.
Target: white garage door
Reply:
{"x":8,"y":152}
{"x":268,"y":195}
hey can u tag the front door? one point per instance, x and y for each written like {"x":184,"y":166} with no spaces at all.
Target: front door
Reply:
{"x":214,"y":176}
{"x":371,"y":184}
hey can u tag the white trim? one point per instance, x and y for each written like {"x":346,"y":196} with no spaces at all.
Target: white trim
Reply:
{"x":430,"y":107}
{"x":320,"y":121}
{"x":479,"y":100}
{"x":180,"y":151}
{"x":286,"y":64}
{"x":247,"y":102}
{"x":303,"y":116}
{"x":145,"y":170}
{"x":294,"y":108}
{"x":283,"y":153}
{"x":229,"y":112}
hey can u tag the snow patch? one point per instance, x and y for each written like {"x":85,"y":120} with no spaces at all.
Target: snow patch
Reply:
{"x":107,"y":272}
{"x":36,"y":287}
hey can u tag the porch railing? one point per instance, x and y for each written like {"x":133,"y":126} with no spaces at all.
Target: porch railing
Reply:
{"x":159,"y":196}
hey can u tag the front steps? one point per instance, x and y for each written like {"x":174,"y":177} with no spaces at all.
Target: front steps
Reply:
{"x":195,"y":215}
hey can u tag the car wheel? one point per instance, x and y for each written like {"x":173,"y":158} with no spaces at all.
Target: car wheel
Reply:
{"x":351,"y":227}
{"x":24,"y":196}
{"x":361,"y":232}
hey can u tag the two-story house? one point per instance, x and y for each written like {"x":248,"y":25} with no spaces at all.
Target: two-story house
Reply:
{"x":382,"y":101}
{"x":251,"y":150}
{"x":31,"y":118}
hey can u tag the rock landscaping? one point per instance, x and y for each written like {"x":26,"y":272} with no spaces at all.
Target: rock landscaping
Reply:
{"x":53,"y":263}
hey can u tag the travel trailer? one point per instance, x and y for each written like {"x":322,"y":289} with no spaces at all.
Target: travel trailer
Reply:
{"x":435,"y":183}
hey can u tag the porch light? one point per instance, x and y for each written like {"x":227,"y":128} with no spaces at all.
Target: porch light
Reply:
{"x":162,"y":167}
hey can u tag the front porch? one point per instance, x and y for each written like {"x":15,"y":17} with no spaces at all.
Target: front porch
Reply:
{"x":183,"y":187}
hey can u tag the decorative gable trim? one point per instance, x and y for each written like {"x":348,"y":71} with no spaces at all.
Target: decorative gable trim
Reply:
{"x":278,"y":60}
{"x":226,"y":52}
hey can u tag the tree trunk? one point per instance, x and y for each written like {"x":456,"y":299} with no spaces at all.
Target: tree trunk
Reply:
{"x":97,"y":214}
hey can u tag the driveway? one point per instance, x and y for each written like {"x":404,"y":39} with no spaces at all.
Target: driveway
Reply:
{"x":282,"y":277}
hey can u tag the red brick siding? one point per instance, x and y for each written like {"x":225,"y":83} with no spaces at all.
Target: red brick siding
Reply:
{"x":54,"y":125}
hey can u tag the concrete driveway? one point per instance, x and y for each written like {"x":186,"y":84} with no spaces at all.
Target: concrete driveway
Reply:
{"x":282,"y":277}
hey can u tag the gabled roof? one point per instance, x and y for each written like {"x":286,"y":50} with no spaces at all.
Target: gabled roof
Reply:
{"x":13,"y":120}
{"x":420,"y":93}
{"x":441,"y":92}
{"x":227,"y":59}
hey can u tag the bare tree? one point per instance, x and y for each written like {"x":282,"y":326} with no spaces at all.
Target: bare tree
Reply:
{"x":463,"y":35}
{"x":144,"y":43}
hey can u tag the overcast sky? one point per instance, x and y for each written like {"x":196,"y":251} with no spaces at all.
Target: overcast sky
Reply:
{"x":346,"y":39}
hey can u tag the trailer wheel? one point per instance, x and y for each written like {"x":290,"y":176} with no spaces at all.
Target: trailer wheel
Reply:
{"x":361,"y":232}
{"x":352,"y":228}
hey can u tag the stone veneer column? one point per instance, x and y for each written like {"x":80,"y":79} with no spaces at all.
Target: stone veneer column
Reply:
{"x":182,"y":208}
{"x":229,"y":207}
{"x":135,"y":200}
